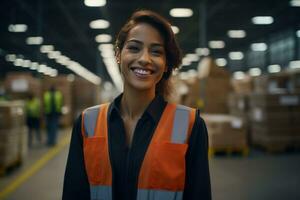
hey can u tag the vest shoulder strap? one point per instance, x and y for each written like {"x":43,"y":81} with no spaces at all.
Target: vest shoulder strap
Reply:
{"x":89,"y":120}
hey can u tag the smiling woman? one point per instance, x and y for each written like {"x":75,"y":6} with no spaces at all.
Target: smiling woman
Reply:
{"x":140,"y":146}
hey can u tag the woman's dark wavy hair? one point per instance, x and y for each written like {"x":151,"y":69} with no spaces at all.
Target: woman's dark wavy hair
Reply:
{"x":173,"y":52}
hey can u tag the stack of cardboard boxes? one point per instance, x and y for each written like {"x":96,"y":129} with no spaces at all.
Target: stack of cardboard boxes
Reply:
{"x":19,"y":85}
{"x":275,"y":108}
{"x":225,"y":131}
{"x":85,"y":94}
{"x":13,"y":133}
{"x":209,"y":91}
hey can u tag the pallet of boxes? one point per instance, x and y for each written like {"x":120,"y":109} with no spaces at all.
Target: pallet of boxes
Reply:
{"x":13,"y":134}
{"x":209,"y":93}
{"x":275,"y":112}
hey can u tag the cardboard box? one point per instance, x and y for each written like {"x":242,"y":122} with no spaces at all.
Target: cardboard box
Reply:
{"x":273,"y":83}
{"x":225,"y":131}
{"x":19,"y":85}
{"x":242,"y":86}
{"x":12,"y":114}
{"x":275,"y":100}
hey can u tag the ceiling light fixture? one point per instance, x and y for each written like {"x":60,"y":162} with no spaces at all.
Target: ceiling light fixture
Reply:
{"x":222,"y":62}
{"x":17,"y":28}
{"x":236,"y":55}
{"x":274,"y":68}
{"x":238,"y":75}
{"x":34,"y":40}
{"x":99,"y":24}
{"x":236,"y":33}
{"x":216,"y":44}
{"x":255,"y":71}
{"x":259,"y":47}
{"x":295,"y":3}
{"x":295,"y":64}
{"x":103,"y":38}
{"x":46,"y":48}
{"x":262,"y":20}
{"x":181,"y":12}
{"x":298,"y":33}
{"x":95,"y":3}
{"x":202,"y":51}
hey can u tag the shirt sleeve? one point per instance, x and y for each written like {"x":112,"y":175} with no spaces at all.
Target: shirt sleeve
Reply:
{"x":197,"y":184}
{"x":76,"y":185}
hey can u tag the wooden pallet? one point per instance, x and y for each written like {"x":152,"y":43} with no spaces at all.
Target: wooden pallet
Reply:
{"x":277,"y":148}
{"x":6,"y":169}
{"x":228,"y":151}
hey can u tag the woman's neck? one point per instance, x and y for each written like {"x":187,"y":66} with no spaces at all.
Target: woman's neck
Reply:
{"x":134,"y":102}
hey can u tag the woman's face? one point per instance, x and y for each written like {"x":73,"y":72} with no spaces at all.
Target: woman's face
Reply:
{"x":143,"y":58}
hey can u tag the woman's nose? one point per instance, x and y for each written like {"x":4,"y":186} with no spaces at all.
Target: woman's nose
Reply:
{"x":145,"y":58}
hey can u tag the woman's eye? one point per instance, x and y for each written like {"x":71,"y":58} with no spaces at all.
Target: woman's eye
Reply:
{"x":133,"y":48}
{"x":157,"y":52}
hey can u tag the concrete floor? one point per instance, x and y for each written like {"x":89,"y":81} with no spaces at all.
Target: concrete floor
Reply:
{"x":257,"y":177}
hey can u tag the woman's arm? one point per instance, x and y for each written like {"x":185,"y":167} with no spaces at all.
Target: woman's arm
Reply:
{"x":197,"y":184}
{"x":76,"y":184}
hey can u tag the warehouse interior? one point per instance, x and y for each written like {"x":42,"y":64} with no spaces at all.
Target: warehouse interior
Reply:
{"x":240,"y":68}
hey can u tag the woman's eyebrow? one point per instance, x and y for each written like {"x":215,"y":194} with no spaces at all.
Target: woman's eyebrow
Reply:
{"x":140,"y":42}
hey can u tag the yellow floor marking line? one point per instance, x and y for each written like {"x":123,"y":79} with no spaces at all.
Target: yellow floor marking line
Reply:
{"x":34,"y":168}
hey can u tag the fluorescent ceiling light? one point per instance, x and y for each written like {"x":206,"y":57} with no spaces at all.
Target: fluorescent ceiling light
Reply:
{"x":34,"y":40}
{"x":99,"y":24}
{"x":255,"y":71}
{"x":186,"y":62}
{"x":114,"y":72}
{"x":262,"y":20}
{"x":295,"y":64}
{"x":221,"y":62}
{"x":54,"y":54}
{"x":202,"y":51}
{"x":95,"y":3}
{"x":239,"y":75}
{"x":26,"y":63}
{"x":236,"y":55}
{"x":105,"y":47}
{"x":63,"y":60}
{"x":34,"y":65}
{"x":236,"y":33}
{"x":298,"y":33}
{"x":108,"y":54}
{"x":17,"y":28}
{"x":10,"y":57}
{"x":192,"y":57}
{"x":103,"y":38}
{"x":259,"y":47}
{"x":216,"y":44}
{"x":295,"y":3}
{"x":18,"y":62}
{"x":175,"y":29}
{"x":46,"y":48}
{"x":274,"y":68}
{"x":181,"y":12}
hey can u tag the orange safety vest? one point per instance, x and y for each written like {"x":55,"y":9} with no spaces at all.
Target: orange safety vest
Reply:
{"x":162,"y":174}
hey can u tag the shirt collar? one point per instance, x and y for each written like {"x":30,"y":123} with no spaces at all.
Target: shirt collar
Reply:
{"x":154,"y":109}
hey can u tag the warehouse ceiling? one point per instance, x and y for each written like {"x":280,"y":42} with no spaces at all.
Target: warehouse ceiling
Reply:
{"x":65,"y":25}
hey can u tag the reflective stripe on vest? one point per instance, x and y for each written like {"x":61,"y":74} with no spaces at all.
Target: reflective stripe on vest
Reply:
{"x":162,"y":174}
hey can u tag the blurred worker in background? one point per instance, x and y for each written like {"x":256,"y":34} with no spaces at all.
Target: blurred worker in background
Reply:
{"x":53,"y":101}
{"x":140,"y":146}
{"x":33,"y":114}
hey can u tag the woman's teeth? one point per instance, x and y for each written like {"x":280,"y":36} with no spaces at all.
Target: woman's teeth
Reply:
{"x":142,"y":71}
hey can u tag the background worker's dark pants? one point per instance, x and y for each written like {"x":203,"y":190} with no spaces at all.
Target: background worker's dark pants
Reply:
{"x":52,"y":129}
{"x":33,"y":124}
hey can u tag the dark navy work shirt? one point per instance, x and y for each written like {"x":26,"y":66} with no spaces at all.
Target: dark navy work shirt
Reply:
{"x":126,"y":162}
